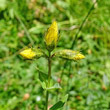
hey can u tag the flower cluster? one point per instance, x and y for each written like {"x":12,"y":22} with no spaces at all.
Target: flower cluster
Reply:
{"x":51,"y":39}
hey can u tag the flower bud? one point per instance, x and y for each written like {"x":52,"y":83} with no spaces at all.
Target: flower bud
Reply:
{"x":70,"y":55}
{"x":51,"y":37}
{"x":30,"y":54}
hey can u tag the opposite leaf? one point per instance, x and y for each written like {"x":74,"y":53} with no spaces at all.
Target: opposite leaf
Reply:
{"x":43,"y":84}
{"x":70,"y":55}
{"x":57,"y":105}
{"x":42,"y":76}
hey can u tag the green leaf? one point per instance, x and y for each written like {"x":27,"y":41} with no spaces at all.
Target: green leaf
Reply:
{"x":43,"y":84}
{"x":59,"y":104}
{"x":65,"y":98}
{"x":56,"y":86}
{"x":42,"y":76}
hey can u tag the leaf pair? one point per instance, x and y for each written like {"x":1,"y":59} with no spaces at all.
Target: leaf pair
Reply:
{"x":43,"y":79}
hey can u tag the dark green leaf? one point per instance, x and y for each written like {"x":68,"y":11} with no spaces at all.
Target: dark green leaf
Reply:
{"x":57,"y":105}
{"x":42,"y":76}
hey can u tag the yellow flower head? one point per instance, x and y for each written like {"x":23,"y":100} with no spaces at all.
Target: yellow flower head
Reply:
{"x":71,"y":55}
{"x":52,"y":35}
{"x":28,"y":53}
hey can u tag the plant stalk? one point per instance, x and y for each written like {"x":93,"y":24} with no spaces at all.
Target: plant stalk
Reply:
{"x":49,"y":77}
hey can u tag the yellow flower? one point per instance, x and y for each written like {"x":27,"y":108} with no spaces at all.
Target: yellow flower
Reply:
{"x":28,"y":53}
{"x":69,"y":54}
{"x":52,"y":35}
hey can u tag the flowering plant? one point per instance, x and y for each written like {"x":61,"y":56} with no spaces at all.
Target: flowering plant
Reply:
{"x":51,"y":39}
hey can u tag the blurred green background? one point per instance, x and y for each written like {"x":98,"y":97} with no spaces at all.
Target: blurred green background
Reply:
{"x":24,"y":23}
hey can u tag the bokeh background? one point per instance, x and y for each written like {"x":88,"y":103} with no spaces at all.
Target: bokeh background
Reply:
{"x":24,"y":23}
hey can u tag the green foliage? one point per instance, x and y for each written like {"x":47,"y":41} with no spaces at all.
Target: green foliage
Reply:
{"x":42,"y":76}
{"x":87,"y":82}
{"x":59,"y":104}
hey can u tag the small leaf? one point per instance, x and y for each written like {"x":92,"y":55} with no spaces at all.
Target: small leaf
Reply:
{"x":57,"y":105}
{"x":42,"y":76}
{"x":56,"y":86}
{"x":43,"y":84}
{"x":65,"y":98}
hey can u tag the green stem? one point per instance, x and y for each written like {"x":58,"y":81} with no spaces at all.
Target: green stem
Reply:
{"x":49,"y":77}
{"x":47,"y":95}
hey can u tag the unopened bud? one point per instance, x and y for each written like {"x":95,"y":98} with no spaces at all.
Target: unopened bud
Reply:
{"x":70,"y":55}
{"x":30,"y":53}
{"x":51,"y":37}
